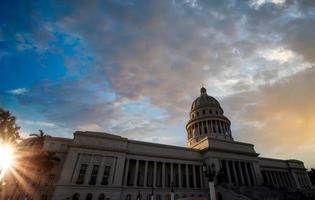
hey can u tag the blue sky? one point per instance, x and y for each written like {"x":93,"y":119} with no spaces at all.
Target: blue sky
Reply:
{"x":133,"y":68}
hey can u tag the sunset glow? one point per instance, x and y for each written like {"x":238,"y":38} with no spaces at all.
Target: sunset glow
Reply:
{"x":6,"y":158}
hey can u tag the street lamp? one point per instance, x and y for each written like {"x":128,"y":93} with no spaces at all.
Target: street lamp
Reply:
{"x":210,"y":173}
{"x":152,"y":193}
{"x":172,"y":191}
{"x":139,"y":196}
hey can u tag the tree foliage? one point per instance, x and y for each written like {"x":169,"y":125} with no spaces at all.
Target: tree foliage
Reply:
{"x":9,"y":130}
{"x":39,"y":138}
{"x":44,"y":161}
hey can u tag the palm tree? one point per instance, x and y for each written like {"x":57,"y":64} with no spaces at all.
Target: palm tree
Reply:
{"x":39,"y":138}
{"x":9,"y":131}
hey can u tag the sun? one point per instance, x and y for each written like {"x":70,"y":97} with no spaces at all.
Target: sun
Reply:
{"x":6,"y":158}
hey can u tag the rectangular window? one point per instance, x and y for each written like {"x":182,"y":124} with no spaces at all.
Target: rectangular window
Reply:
{"x":94,"y":175}
{"x":82,"y":173}
{"x":106,"y":175}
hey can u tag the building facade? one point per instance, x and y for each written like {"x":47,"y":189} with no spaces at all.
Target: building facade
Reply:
{"x":96,"y":165}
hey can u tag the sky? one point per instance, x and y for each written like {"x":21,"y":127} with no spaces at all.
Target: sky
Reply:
{"x":133,"y":68}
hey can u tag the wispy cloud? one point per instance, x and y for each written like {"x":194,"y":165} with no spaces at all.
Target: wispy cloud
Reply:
{"x":18,"y":91}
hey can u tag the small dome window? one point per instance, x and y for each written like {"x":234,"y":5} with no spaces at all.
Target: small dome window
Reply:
{"x":210,"y":111}
{"x":203,"y":112}
{"x":197,"y":113}
{"x":216,"y":112}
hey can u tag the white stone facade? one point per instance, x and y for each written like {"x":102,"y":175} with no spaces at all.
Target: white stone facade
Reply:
{"x":99,"y":166}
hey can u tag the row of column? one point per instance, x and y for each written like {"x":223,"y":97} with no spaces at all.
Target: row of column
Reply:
{"x":144,"y":173}
{"x":304,"y":180}
{"x":279,"y":179}
{"x":239,"y":173}
{"x":208,"y":126}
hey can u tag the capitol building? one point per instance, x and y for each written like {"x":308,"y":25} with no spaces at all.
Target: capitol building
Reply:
{"x":102,"y":166}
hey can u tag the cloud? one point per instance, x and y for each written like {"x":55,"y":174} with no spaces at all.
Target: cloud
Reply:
{"x":134,"y":71}
{"x":276,"y":117}
{"x":18,"y":91}
{"x":281,"y":55}
{"x":36,"y":123}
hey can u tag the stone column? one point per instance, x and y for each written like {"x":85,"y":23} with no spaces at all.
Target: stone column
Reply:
{"x":101,"y":172}
{"x":270,"y":177}
{"x":285,"y":179}
{"x":111,"y":175}
{"x":194,"y":175}
{"x":179,"y":175}
{"x":172,"y":173}
{"x":136,"y":174}
{"x":211,"y":127}
{"x":241,"y":173}
{"x":247,"y":174}
{"x":187,"y":176}
{"x":208,"y":126}
{"x":273,"y":176}
{"x":163,"y":175}
{"x":255,"y":179}
{"x":126,"y":172}
{"x":201,"y":176}
{"x":228,"y":172}
{"x":154,"y":174}
{"x":145,"y":180}
{"x":202,"y":128}
{"x":235,"y":174}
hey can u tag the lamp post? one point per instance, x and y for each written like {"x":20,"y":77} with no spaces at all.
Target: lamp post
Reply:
{"x":172,"y":191}
{"x":139,"y":196}
{"x":210,"y":173}
{"x":152,"y":193}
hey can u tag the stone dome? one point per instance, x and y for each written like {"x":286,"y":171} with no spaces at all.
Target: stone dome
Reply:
{"x":204,"y":100}
{"x":207,"y":120}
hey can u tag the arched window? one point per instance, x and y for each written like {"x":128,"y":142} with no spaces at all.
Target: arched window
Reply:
{"x":89,"y":196}
{"x":203,"y":112}
{"x":216,"y":112}
{"x":76,"y":196}
{"x":197,"y":113}
{"x":101,"y":197}
{"x":210,"y":111}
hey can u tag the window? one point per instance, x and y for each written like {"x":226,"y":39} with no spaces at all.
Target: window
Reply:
{"x":76,"y":196}
{"x":89,"y":196}
{"x":101,"y":197}
{"x":197,"y":113}
{"x":106,"y":175}
{"x":203,"y":112}
{"x":82,"y":173}
{"x":210,"y":111}
{"x":43,"y":197}
{"x":216,"y":112}
{"x":94,"y":175}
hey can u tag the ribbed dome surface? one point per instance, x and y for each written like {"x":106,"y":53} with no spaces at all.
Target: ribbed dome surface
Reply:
{"x":204,"y":100}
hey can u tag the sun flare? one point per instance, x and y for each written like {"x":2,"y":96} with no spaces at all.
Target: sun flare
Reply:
{"x":6,"y":158}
